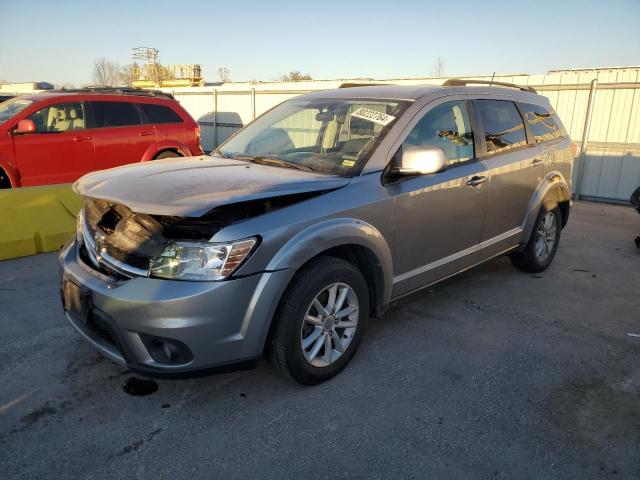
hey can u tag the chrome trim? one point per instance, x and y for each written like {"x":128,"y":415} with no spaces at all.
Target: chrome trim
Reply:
{"x":107,"y":260}
{"x":457,"y":255}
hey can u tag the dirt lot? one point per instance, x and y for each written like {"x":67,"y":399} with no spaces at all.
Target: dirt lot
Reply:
{"x":493,"y":374}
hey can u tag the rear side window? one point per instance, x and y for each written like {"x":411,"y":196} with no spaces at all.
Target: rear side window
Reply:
{"x":541,"y":122}
{"x":158,"y":114}
{"x":115,"y":114}
{"x":503,"y":126}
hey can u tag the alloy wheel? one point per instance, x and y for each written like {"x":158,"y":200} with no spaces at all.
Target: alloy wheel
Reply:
{"x":546,"y":236}
{"x":329,"y":324}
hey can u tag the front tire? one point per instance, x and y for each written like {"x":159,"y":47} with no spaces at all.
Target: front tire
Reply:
{"x":541,"y":248}
{"x":320,"y":321}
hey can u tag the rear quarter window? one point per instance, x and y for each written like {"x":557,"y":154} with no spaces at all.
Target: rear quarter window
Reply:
{"x":541,"y":122}
{"x":158,"y":114}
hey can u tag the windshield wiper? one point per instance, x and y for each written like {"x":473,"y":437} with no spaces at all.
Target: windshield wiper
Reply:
{"x":262,"y":160}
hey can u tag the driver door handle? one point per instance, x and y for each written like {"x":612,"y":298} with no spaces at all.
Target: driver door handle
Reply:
{"x":537,"y":162}
{"x":476,"y":180}
{"x":145,"y":134}
{"x":82,"y":139}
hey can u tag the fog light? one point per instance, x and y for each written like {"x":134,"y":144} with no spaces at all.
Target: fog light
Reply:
{"x":170,"y":351}
{"x":167,"y":350}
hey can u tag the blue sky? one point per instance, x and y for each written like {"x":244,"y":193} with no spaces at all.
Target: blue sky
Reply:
{"x":59,"y":41}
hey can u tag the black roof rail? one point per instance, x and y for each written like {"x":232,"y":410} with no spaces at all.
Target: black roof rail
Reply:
{"x":364,"y":84}
{"x":463,"y":82}
{"x":116,"y":91}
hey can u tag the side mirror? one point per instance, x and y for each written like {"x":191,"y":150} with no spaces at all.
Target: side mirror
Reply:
{"x":25,"y":126}
{"x":422,"y":161}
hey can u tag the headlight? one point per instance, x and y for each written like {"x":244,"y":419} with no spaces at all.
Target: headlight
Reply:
{"x":79,"y":224}
{"x":201,"y":260}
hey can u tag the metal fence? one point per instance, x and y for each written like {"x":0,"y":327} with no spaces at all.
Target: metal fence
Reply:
{"x":608,"y":168}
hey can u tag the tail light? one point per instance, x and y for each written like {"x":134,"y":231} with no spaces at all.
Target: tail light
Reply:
{"x":574,"y":149}
{"x":196,"y":131}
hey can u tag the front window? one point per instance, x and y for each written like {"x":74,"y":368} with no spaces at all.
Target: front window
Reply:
{"x":332,"y":136}
{"x":60,"y":117}
{"x":12,"y":107}
{"x":445,"y":126}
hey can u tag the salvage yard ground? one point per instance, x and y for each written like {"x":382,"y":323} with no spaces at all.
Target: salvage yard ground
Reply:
{"x":492,"y":374}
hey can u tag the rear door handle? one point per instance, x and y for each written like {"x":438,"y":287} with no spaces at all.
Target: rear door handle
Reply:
{"x":82,"y":139}
{"x":537,"y":162}
{"x":145,"y":134}
{"x":476,"y":180}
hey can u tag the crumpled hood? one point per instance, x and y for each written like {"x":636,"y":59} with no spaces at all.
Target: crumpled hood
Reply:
{"x":193,"y":186}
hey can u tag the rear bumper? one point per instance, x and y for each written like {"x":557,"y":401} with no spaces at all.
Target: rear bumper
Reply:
{"x":211,"y":324}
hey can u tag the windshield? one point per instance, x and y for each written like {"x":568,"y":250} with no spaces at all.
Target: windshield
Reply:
{"x":12,"y":107}
{"x":333,"y":136}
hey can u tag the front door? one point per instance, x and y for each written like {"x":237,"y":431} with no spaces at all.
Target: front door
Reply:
{"x":439,"y":218}
{"x":59,"y":151}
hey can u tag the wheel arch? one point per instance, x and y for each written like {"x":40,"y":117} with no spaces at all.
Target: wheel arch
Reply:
{"x":154,"y":150}
{"x":352,"y":240}
{"x":553,"y":191}
{"x":8,"y":171}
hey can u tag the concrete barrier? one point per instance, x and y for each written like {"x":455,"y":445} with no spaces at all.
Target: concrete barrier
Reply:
{"x":36,"y":219}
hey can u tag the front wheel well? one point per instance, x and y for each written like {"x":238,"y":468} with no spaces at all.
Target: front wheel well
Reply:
{"x":369,"y":265}
{"x":5,"y":181}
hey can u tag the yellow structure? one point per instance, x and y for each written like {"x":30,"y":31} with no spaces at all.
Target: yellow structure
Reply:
{"x":147,"y":72}
{"x":36,"y":219}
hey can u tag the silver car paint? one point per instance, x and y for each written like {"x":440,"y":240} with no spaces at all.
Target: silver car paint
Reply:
{"x":419,"y":230}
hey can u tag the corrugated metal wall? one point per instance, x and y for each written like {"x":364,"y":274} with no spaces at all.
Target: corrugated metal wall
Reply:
{"x":611,"y":168}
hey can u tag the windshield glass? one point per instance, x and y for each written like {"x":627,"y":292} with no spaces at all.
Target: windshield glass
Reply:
{"x":333,"y":136}
{"x":12,"y":107}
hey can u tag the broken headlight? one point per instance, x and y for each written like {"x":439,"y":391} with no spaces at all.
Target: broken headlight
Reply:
{"x":201,"y":261}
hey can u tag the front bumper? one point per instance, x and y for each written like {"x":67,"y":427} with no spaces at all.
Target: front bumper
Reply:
{"x":213,"y":323}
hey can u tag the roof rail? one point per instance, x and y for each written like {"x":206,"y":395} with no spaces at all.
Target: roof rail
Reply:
{"x":364,"y":84}
{"x":116,"y":91}
{"x":463,"y":82}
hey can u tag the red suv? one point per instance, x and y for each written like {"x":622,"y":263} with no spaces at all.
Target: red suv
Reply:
{"x":57,"y":137}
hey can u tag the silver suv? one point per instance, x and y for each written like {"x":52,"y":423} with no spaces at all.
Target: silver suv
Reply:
{"x":311,"y":220}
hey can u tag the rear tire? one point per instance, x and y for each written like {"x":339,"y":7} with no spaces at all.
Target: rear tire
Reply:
{"x":320,"y":321}
{"x":541,"y":248}
{"x":168,"y":154}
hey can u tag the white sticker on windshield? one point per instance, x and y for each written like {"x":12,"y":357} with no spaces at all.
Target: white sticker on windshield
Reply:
{"x":373,"y":116}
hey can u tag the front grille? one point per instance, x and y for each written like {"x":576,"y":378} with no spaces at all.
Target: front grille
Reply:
{"x":121,"y":239}
{"x":85,"y":257}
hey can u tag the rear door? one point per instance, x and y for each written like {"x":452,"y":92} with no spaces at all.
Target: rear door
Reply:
{"x":439,"y":218}
{"x":61,"y":148}
{"x":515,"y":167}
{"x":120,"y":136}
{"x":169,"y":127}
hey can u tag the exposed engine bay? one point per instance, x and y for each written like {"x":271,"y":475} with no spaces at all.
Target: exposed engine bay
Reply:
{"x":114,"y":231}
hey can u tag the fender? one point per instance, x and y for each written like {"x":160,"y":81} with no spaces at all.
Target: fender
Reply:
{"x":336,"y":232}
{"x":552,"y":189}
{"x":154,"y":149}
{"x":11,"y":172}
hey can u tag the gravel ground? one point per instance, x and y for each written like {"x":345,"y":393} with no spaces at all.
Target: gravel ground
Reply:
{"x":492,"y":374}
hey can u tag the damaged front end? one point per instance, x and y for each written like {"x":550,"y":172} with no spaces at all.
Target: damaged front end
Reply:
{"x":123,"y":244}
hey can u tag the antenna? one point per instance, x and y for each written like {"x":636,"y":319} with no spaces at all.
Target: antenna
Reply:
{"x":492,"y":77}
